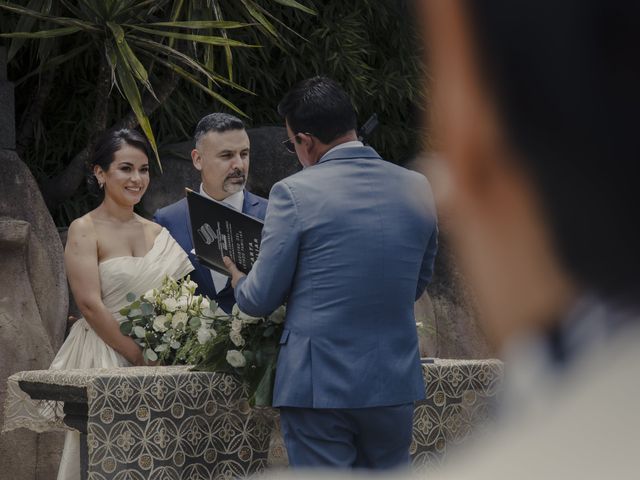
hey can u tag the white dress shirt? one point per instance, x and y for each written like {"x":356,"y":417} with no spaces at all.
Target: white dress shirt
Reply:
{"x":236,"y":201}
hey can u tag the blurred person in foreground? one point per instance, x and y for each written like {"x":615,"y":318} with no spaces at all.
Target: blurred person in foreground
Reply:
{"x":535,"y":108}
{"x":535,"y":117}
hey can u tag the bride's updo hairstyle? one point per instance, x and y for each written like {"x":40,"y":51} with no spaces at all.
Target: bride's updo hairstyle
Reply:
{"x":104,"y":150}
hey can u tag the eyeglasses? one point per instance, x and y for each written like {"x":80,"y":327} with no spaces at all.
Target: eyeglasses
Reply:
{"x":288,"y":143}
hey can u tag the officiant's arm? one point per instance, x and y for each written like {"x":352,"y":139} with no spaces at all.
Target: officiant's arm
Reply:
{"x":81,"y":262}
{"x":269,"y":281}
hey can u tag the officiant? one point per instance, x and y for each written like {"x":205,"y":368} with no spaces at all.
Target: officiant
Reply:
{"x":221,"y":155}
{"x":349,"y":243}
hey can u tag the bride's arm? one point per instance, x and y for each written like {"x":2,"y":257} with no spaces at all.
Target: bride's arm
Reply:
{"x":81,"y":262}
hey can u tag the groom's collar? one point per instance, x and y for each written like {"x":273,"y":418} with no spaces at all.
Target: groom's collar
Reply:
{"x":348,"y":151}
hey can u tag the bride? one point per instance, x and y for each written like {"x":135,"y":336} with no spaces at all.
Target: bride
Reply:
{"x":110,"y":252}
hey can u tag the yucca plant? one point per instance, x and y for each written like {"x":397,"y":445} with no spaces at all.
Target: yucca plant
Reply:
{"x":142,"y":47}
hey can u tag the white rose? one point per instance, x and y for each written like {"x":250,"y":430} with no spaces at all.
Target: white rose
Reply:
{"x":159,"y":323}
{"x":170,"y":304}
{"x":204,"y":334}
{"x":150,"y":295}
{"x":236,"y":359}
{"x":246,"y":319}
{"x":236,"y":325}
{"x":278,"y":315}
{"x":236,"y":338}
{"x":179,"y":318}
{"x":204,"y":304}
{"x":189,"y":287}
{"x":183,"y":303}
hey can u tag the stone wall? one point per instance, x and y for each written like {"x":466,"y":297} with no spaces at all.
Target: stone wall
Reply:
{"x":33,"y":296}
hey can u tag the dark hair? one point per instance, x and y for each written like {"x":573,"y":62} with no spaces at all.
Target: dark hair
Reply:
{"x":217,"y":122}
{"x":565,"y":77}
{"x":318,"y":106}
{"x":105,"y":148}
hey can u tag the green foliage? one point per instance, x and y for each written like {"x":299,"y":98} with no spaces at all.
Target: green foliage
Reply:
{"x":369,"y":46}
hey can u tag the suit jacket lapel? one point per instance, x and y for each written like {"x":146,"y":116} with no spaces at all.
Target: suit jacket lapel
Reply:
{"x":249,"y":204}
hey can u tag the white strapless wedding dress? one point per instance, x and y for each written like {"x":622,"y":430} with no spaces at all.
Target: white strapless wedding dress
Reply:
{"x":83,"y":348}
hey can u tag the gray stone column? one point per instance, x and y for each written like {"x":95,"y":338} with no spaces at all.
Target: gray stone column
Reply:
{"x":7,"y":106}
{"x":33,"y":298}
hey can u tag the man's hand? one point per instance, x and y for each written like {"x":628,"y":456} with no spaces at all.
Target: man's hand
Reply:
{"x":236,"y":274}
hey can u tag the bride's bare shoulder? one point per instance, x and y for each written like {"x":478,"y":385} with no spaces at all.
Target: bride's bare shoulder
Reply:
{"x":83,"y":225}
{"x":152,"y":227}
{"x":82,"y":232}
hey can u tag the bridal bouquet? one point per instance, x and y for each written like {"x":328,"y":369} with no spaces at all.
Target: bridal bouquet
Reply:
{"x":174,"y":326}
{"x":171,"y":323}
{"x":247,"y":346}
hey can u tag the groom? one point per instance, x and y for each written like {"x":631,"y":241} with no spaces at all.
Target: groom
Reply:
{"x":222,"y":157}
{"x":349,"y":243}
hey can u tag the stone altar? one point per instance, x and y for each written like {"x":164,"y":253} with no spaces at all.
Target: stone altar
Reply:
{"x":168,"y":422}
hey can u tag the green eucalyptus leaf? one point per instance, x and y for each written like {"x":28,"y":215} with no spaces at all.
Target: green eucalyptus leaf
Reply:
{"x":150,"y":355}
{"x":146,"y":308}
{"x":268,"y":332}
{"x":195,"y":323}
{"x":249,"y":356}
{"x":131,"y":297}
{"x":138,"y":331}
{"x":125,"y":328}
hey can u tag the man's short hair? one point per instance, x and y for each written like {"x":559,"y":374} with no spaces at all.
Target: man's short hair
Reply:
{"x":318,"y":106}
{"x":217,"y":122}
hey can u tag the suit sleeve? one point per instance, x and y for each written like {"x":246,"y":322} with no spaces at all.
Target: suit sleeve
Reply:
{"x":267,"y":285}
{"x":428,"y":261}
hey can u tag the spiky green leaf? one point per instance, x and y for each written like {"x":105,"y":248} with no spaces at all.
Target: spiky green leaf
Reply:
{"x":205,"y":39}
{"x":199,"y":24}
{"x":56,"y":32}
{"x":297,"y":5}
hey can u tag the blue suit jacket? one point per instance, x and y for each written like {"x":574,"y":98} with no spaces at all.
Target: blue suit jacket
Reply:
{"x":175,"y":218}
{"x":349,"y":244}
